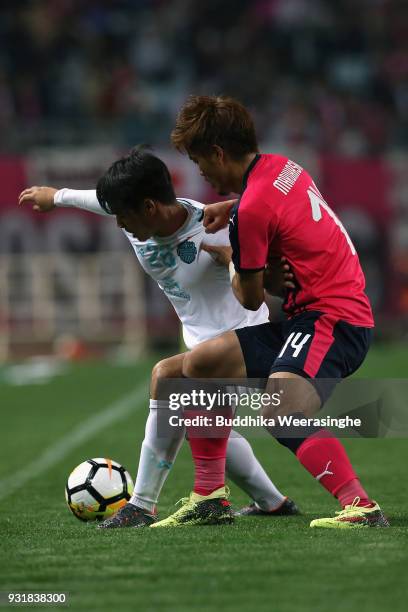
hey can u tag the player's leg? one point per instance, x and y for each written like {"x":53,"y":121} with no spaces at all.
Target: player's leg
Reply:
{"x":320,"y":453}
{"x":244,"y":469}
{"x":208,"y":360}
{"x":157,"y":455}
{"x":220,"y":357}
{"x":323,"y":348}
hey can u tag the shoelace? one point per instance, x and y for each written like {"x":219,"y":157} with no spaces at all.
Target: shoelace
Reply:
{"x":185,"y":500}
{"x":352,"y":508}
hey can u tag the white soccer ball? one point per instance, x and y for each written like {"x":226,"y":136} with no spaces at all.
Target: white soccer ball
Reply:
{"x":97,"y":488}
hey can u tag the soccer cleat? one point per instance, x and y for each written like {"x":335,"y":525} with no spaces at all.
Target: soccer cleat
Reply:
{"x":287,"y":508}
{"x":354,"y":517}
{"x":213,"y":509}
{"x":129,"y":516}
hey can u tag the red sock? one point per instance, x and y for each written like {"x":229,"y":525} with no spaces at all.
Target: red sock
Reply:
{"x":208,"y":454}
{"x":209,"y":463}
{"x":326,"y":459}
{"x":347,"y":494}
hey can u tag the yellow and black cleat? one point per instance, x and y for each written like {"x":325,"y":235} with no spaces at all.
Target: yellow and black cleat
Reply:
{"x":213,"y":509}
{"x":354,"y":517}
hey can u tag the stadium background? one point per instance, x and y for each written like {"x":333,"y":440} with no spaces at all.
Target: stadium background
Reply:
{"x":81,"y":82}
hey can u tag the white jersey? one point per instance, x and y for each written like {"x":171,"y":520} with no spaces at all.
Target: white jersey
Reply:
{"x":198,"y":288}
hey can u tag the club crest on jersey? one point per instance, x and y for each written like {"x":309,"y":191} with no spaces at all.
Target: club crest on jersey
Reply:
{"x":187,"y":251}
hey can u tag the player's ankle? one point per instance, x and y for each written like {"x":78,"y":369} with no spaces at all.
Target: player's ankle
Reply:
{"x":352,"y":490}
{"x":149,"y":507}
{"x":206,"y":491}
{"x":366,"y":503}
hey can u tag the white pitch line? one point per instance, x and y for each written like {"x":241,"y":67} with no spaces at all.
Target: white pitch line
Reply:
{"x":116,"y":411}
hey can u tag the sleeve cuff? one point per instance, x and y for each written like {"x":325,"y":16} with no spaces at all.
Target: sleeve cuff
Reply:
{"x":59,"y":198}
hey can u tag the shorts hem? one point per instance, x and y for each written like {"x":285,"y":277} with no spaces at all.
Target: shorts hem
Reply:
{"x":289,"y":368}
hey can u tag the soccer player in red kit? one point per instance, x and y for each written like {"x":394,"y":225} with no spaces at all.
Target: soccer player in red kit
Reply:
{"x":327,"y":333}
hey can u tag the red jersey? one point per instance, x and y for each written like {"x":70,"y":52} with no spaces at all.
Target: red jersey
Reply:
{"x":282,"y":213}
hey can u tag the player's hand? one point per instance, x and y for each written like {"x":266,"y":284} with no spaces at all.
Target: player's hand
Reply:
{"x":42,"y":198}
{"x":216,"y":216}
{"x":278,"y":276}
{"x":221,"y":254}
{"x":289,"y":281}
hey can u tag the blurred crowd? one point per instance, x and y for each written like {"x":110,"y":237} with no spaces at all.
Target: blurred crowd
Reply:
{"x":328,"y":73}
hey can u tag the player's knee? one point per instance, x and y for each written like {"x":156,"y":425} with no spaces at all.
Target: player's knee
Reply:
{"x":290,"y":425}
{"x":194,"y":364}
{"x":161,"y":370}
{"x":204,"y":360}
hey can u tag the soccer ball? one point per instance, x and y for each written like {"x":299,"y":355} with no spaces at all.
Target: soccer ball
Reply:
{"x":97,"y":488}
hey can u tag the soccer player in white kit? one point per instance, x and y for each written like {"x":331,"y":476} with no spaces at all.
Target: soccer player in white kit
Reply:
{"x":167,"y":236}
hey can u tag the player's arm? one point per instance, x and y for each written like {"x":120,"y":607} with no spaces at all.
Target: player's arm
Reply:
{"x":46,"y":199}
{"x":277,"y":276}
{"x":216,"y":216}
{"x":248,"y":288}
{"x":250,"y":231}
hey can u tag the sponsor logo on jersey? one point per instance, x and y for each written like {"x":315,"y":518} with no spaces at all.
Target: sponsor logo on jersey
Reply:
{"x":187,"y":251}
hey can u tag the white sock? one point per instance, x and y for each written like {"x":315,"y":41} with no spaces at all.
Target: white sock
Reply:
{"x":244,"y":469}
{"x":156,"y":459}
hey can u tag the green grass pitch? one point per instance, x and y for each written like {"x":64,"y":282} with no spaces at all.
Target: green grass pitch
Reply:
{"x":257,"y":564}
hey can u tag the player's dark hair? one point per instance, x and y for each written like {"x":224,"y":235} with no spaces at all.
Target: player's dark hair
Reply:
{"x":133,"y":178}
{"x":205,"y":121}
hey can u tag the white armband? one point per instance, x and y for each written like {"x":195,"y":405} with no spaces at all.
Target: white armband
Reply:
{"x":79,"y":198}
{"x":231,"y":270}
